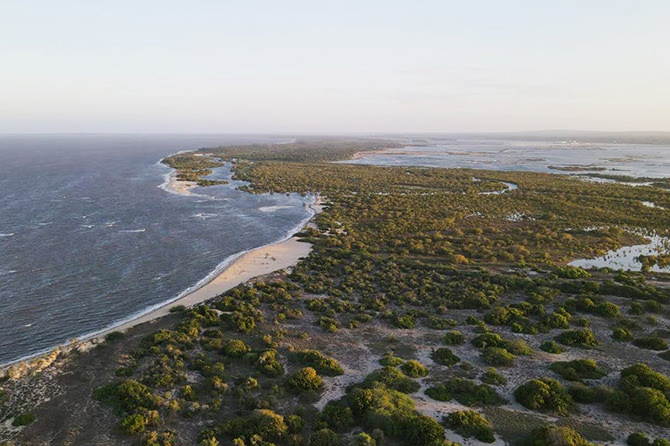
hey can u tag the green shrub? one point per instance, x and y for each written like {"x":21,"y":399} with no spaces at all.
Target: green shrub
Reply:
{"x":114,"y":336}
{"x":337,"y":415}
{"x":556,"y":436}
{"x":422,"y":430}
{"x":437,"y":323}
{"x":551,"y":347}
{"x":128,"y":396}
{"x":583,"y":338}
{"x":469,"y":423}
{"x":392,"y":378}
{"x":465,"y":392}
{"x":324,"y":437}
{"x":405,"y":321}
{"x":363,"y":439}
{"x":23,"y":419}
{"x":622,"y":335}
{"x":454,"y":338}
{"x":269,"y":365}
{"x":414,"y":369}
{"x":266,"y":423}
{"x":589,"y":395}
{"x":133,"y":424}
{"x":651,"y":343}
{"x":444,"y":356}
{"x":492,"y":377}
{"x":638,"y":439}
{"x":486,"y":340}
{"x":517,"y":347}
{"x":498,"y":357}
{"x":235,"y":348}
{"x":305,"y":379}
{"x":544,"y":394}
{"x":643,"y":375}
{"x":577,"y":370}
{"x":323,"y":364}
{"x":391,"y":360}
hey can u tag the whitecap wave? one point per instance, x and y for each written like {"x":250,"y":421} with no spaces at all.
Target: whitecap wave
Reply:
{"x":6,"y":234}
{"x":133,"y":230}
{"x":204,"y":215}
{"x":273,"y":208}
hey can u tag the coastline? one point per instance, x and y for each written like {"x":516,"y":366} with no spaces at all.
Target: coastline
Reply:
{"x":233,"y":271}
{"x":239,"y":269}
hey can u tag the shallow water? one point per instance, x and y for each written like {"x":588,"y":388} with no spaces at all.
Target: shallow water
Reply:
{"x":637,"y":160}
{"x":626,"y":258}
{"x":89,"y":239}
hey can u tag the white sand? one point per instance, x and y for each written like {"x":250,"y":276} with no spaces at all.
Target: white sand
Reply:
{"x":258,"y":262}
{"x":180,"y":187}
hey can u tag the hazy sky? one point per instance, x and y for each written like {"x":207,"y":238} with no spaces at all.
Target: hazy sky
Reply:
{"x":334,"y":66}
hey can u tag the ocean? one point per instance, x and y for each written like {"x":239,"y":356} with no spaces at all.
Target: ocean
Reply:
{"x":90,"y":237}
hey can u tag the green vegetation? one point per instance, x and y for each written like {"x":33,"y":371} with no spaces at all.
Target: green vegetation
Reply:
{"x":583,"y":338}
{"x":492,"y":377}
{"x":556,"y":436}
{"x":544,"y":394}
{"x":414,"y":369}
{"x":193,"y":167}
{"x":465,"y":392}
{"x":469,"y":423}
{"x":643,"y":392}
{"x":551,"y":347}
{"x":454,"y":338}
{"x":305,"y":379}
{"x":23,"y":419}
{"x":651,"y":343}
{"x":323,"y":364}
{"x":444,"y":356}
{"x":577,"y":370}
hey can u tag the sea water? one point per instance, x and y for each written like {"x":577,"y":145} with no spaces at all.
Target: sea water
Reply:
{"x":89,"y":238}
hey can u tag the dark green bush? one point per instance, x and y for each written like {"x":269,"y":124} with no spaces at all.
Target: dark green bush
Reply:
{"x":469,"y":423}
{"x":414,"y":369}
{"x":551,"y":347}
{"x":556,"y":436}
{"x":544,"y":394}
{"x":323,"y":364}
{"x":651,"y":343}
{"x":498,"y":357}
{"x":492,"y":377}
{"x":392,"y":378}
{"x":305,"y":379}
{"x":577,"y":370}
{"x":622,"y":335}
{"x":583,"y":338}
{"x":454,"y":338}
{"x":23,"y":419}
{"x":444,"y":356}
{"x":465,"y":392}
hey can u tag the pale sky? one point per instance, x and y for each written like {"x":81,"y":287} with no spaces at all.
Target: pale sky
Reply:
{"x":333,"y":66}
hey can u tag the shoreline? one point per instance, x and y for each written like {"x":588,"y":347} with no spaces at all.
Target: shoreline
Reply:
{"x":231,"y":272}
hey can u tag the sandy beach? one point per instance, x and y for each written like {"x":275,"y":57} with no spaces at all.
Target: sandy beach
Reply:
{"x":176,"y":186}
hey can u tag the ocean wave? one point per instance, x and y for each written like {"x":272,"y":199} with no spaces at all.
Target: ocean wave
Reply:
{"x":208,"y":278}
{"x":133,"y":230}
{"x":273,"y":208}
{"x":204,"y":215}
{"x":6,"y":234}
